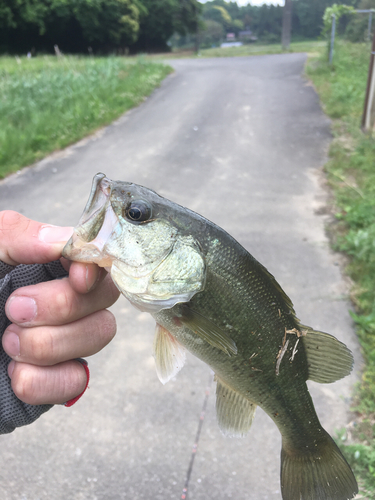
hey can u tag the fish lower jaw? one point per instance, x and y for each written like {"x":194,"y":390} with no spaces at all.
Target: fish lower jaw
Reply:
{"x":87,"y":254}
{"x":154,"y":304}
{"x":106,"y":263}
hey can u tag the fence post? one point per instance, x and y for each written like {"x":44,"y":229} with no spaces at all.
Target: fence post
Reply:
{"x":332,"y":38}
{"x":368,"y":109}
{"x":369,"y":26}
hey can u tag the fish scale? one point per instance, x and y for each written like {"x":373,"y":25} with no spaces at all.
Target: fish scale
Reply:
{"x":209,"y":296}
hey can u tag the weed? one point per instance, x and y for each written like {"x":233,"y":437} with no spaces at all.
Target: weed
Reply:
{"x":47,"y":103}
{"x":351,"y":173}
{"x":255,"y":49}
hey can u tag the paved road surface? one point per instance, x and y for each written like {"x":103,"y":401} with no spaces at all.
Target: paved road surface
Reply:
{"x":241,"y":141}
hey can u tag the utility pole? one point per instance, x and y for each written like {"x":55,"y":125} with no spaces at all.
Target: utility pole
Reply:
{"x":287,"y":24}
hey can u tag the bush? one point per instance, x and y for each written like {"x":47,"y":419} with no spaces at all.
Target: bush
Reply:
{"x":212,"y":34}
{"x":357,"y":28}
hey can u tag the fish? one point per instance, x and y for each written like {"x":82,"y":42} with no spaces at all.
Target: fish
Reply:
{"x":211,"y":297}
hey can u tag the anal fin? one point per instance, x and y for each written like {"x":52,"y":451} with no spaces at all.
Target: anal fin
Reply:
{"x":169,"y":355}
{"x":234,"y":412}
{"x":328,"y":359}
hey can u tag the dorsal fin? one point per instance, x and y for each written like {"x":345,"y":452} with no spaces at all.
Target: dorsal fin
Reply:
{"x":234,"y":412}
{"x":328,"y":359}
{"x":169,"y":355}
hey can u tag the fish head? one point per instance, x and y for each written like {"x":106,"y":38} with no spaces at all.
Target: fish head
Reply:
{"x":144,"y":242}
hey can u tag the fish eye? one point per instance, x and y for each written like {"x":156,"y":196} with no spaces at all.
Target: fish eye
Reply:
{"x":138,"y":211}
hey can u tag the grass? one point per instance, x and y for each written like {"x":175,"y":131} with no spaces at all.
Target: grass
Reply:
{"x":47,"y":103}
{"x":255,"y":49}
{"x":351,"y":173}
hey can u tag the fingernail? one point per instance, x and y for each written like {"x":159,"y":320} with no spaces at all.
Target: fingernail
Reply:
{"x":21,"y":309}
{"x":11,"y":343}
{"x":55,"y":234}
{"x":11,"y":368}
{"x":92,"y":276}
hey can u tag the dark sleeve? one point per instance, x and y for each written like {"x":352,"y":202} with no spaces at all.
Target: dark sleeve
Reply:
{"x":13,"y":412}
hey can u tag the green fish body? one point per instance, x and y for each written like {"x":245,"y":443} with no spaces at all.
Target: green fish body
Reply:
{"x":209,"y":296}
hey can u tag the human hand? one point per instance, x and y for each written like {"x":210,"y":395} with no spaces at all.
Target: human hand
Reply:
{"x":53,"y":322}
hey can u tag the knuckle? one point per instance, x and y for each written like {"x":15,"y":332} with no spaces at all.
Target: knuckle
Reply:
{"x":64,"y":304}
{"x":9,"y":219}
{"x":101,"y":329}
{"x":42,"y":348}
{"x":75,"y":379}
{"x":24,"y":386}
{"x":48,"y":385}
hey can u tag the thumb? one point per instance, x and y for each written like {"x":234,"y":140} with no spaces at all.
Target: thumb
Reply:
{"x":24,"y":241}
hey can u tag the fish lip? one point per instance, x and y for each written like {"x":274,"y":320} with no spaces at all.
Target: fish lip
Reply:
{"x":91,"y":222}
{"x":100,"y":184}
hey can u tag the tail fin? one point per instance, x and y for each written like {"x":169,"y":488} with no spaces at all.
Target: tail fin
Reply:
{"x":321,"y":473}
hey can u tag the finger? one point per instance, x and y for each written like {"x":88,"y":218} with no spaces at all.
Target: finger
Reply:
{"x":85,"y":277}
{"x":56,"y":303}
{"x":38,"y":385}
{"x":45,"y":345}
{"x":24,"y":241}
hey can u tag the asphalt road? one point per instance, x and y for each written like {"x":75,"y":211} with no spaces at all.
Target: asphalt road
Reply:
{"x":241,"y":141}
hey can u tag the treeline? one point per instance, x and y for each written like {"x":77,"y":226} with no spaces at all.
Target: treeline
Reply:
{"x":103,"y":26}
{"x":93,"y":25}
{"x":265,"y":21}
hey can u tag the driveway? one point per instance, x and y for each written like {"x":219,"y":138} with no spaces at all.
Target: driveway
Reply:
{"x":241,"y":141}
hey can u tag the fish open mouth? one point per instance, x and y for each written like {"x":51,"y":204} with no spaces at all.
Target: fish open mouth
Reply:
{"x":98,"y":221}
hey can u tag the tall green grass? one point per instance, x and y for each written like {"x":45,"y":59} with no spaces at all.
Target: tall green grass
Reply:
{"x":351,"y":172}
{"x":253,"y":49}
{"x":259,"y":49}
{"x":47,"y":103}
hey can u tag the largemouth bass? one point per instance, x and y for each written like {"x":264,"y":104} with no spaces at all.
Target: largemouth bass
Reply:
{"x":210,"y":296}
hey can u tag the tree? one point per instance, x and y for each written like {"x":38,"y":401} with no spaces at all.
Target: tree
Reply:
{"x":21,"y":20}
{"x":337,"y":10}
{"x":212,"y":33}
{"x":218,"y":11}
{"x":357,"y":27}
{"x":161,"y":18}
{"x":156,"y":25}
{"x":19,"y":13}
{"x":71,"y":24}
{"x":218,"y":14}
{"x":186,"y":18}
{"x":268,"y":23}
{"x":107,"y":23}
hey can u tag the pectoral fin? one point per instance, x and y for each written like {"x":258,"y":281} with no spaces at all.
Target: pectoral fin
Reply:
{"x":328,"y":359}
{"x":207,"y":330}
{"x":169,"y":355}
{"x":234,"y":412}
